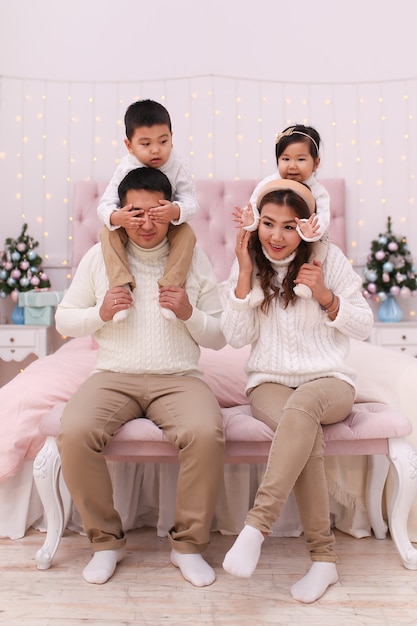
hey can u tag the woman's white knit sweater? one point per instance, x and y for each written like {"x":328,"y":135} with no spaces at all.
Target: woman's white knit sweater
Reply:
{"x":145,"y":342}
{"x":300,"y":343}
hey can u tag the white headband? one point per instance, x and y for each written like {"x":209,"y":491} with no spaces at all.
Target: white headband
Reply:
{"x":291,"y":131}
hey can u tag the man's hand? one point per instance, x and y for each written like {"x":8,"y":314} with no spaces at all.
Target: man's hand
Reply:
{"x":176,"y":299}
{"x":165,"y":213}
{"x":116,"y":299}
{"x":127,"y":217}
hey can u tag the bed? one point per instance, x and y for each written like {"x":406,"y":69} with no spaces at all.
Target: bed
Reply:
{"x":144,"y":492}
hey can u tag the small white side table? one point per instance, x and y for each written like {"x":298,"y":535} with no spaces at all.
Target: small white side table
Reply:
{"x":399,"y":336}
{"x":18,"y":341}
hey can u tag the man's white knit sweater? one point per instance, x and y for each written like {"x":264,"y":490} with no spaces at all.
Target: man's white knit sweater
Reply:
{"x":145,"y":342}
{"x":300,"y":343}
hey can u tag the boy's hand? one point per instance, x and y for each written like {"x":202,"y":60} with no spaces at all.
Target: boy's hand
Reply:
{"x":127,"y":217}
{"x":311,"y":227}
{"x":243,"y":217}
{"x":165,"y":213}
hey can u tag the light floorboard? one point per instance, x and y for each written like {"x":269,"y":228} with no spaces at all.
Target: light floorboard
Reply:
{"x":374,"y":588}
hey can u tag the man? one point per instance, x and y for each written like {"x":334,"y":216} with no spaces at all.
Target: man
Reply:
{"x":146,"y":366}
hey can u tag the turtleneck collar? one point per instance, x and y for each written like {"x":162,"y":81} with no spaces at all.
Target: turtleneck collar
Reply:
{"x":161,"y":250}
{"x":280,"y":264}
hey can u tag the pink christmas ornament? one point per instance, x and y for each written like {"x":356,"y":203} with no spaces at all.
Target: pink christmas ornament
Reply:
{"x":405,"y":292}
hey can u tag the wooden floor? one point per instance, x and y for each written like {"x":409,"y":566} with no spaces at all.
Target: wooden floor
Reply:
{"x":146,"y":589}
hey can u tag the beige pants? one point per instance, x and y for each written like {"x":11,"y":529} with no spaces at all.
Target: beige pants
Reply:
{"x":182,"y":242}
{"x":296,"y":456}
{"x":185,"y":409}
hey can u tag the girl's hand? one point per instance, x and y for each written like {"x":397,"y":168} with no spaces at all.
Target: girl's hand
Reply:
{"x":309,"y":228}
{"x":244,"y":258}
{"x":243,"y":217}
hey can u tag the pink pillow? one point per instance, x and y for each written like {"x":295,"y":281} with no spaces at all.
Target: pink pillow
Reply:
{"x":225,"y":374}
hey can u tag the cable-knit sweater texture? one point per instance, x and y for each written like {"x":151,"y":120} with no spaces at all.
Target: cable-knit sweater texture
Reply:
{"x":145,"y":342}
{"x":299,"y":343}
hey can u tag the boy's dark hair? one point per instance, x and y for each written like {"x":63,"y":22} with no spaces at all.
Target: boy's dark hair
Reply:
{"x":295,"y":134}
{"x":145,"y":113}
{"x":147,"y":178}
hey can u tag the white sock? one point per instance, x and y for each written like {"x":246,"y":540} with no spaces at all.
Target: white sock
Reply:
{"x":102,"y":566}
{"x":120,"y":315}
{"x":302,"y":291}
{"x":310,"y":588}
{"x":243,"y":556}
{"x":168,"y":314}
{"x":194,"y":568}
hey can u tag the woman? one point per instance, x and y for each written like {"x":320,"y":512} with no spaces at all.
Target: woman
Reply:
{"x":297,"y":375}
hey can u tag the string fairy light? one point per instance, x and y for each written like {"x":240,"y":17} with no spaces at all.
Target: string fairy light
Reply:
{"x":212,"y":115}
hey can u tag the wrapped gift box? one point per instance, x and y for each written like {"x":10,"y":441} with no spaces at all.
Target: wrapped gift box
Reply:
{"x":39,"y":306}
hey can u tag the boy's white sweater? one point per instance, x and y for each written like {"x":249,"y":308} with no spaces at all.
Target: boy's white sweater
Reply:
{"x":183,"y":189}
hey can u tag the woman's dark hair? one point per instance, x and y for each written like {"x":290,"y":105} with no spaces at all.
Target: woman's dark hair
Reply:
{"x":266,"y":272}
{"x":298,"y":133}
{"x":145,"y":113}
{"x":147,"y":178}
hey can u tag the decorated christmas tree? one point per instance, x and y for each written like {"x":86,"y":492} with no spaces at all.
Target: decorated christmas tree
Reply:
{"x":21,"y":266}
{"x":389,"y":269}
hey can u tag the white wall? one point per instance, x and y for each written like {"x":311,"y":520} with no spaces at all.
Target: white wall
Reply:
{"x":324,"y":40}
{"x":231,"y":77}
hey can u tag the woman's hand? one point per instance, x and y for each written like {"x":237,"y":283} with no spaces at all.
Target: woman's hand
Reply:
{"x":244,"y":258}
{"x":311,"y":274}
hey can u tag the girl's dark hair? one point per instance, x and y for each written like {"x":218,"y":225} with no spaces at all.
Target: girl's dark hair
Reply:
{"x":296,"y":134}
{"x":266,"y":272}
{"x":147,"y":178}
{"x":145,"y":113}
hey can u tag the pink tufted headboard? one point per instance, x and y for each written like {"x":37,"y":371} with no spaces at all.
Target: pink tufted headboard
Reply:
{"x":213,"y":224}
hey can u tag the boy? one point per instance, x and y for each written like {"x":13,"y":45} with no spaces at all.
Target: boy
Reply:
{"x":149,"y":142}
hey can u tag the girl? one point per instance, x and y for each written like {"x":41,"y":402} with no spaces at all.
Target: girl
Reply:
{"x":297,"y":376}
{"x":297,"y":156}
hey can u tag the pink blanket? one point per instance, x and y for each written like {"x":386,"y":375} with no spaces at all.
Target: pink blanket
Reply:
{"x":26,"y":398}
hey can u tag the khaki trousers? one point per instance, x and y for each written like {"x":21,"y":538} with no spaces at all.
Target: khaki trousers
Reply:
{"x":182,"y":242}
{"x":296,"y":456}
{"x":185,"y":409}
